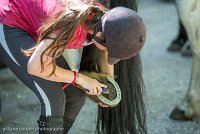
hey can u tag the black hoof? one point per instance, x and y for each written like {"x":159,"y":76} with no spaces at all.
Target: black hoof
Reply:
{"x":177,"y":114}
{"x":175,"y":47}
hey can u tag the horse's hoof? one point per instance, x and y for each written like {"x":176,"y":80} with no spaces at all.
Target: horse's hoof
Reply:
{"x":178,"y":114}
{"x":176,"y":45}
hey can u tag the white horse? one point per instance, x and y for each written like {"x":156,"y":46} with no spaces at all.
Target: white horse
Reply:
{"x":189,"y":107}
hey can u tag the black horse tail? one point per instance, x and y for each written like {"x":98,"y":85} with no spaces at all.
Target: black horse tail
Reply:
{"x":125,"y":3}
{"x":129,"y":117}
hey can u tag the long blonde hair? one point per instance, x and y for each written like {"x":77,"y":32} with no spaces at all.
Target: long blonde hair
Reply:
{"x":66,"y":22}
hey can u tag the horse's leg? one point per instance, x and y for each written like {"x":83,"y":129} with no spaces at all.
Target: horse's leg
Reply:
{"x":180,"y":40}
{"x":189,"y":107}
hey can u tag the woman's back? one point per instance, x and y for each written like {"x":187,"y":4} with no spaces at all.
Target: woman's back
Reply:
{"x":27,"y":14}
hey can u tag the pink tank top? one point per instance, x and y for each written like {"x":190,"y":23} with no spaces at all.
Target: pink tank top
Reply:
{"x":30,"y":14}
{"x":27,"y":14}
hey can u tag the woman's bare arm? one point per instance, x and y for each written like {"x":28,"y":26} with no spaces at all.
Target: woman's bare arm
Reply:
{"x":61,"y":74}
{"x":34,"y":65}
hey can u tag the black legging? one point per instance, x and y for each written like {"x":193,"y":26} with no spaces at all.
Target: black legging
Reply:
{"x":54,"y":102}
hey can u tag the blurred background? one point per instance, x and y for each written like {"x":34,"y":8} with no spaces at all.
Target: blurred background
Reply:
{"x":166,"y":75}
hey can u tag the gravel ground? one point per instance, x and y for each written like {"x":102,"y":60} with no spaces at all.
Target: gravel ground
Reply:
{"x":166,"y":77}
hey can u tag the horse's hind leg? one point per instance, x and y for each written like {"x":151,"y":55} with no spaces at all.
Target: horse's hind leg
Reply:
{"x":189,"y":107}
{"x":180,"y":40}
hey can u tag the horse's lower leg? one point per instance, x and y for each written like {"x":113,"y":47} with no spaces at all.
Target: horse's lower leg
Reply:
{"x":189,"y":107}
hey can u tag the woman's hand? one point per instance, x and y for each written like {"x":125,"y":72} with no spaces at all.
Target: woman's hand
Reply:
{"x":102,"y":105}
{"x":92,"y":86}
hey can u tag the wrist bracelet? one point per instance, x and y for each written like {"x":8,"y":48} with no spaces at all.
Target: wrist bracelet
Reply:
{"x":75,"y":77}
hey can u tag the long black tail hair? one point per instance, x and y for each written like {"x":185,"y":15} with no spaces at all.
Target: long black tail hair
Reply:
{"x":129,"y":117}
